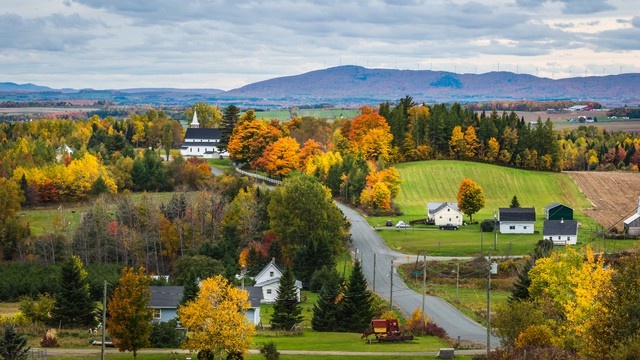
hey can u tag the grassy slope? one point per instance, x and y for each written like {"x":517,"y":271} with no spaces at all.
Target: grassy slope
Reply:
{"x":438,"y":180}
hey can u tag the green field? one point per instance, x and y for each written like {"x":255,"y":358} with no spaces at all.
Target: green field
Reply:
{"x":438,"y":180}
{"x":317,"y":113}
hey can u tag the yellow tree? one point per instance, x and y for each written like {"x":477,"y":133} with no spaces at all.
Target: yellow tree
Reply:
{"x":215,"y":319}
{"x":129,"y":322}
{"x":470,"y":197}
{"x":281,"y":157}
{"x":456,"y":143}
{"x":310,"y":149}
{"x":471,"y":143}
{"x":493,"y":149}
{"x":9,"y":199}
{"x":376,"y":144}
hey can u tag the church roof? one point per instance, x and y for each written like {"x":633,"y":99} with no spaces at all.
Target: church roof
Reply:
{"x":202,"y":133}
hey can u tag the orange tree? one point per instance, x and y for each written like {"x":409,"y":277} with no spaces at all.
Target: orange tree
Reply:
{"x":130,"y":315}
{"x":215,"y":320}
{"x":282,"y":156}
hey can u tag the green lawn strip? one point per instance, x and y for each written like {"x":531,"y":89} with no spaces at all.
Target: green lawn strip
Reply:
{"x":344,"y":266}
{"x":333,"y":341}
{"x":222,"y":164}
{"x":308,"y":299}
{"x":168,"y":355}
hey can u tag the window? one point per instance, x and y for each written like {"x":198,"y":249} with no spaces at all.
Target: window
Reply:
{"x":440,"y":216}
{"x":559,"y":237}
{"x":268,"y":291}
{"x":568,"y":238}
{"x":512,"y":227}
{"x":157,"y":314}
{"x":270,"y":273}
{"x":524,"y":227}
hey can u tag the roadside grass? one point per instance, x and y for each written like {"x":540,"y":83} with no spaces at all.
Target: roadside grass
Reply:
{"x":9,"y":308}
{"x":334,"y":341}
{"x":222,"y":164}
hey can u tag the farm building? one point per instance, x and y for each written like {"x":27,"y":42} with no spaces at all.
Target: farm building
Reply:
{"x":557,"y":211}
{"x":269,"y":280}
{"x":632,"y":223}
{"x":444,"y":213}
{"x":517,"y":220}
{"x":201,"y":142}
{"x":561,"y":232}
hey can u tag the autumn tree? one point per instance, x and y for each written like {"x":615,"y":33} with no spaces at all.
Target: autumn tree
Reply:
{"x":130,"y":316}
{"x":370,"y":133}
{"x":470,"y":197}
{"x":281,"y":157}
{"x":215,"y":319}
{"x":74,"y":306}
{"x":493,"y":150}
{"x":9,"y":199}
{"x":287,"y":312}
{"x":457,"y":144}
{"x":471,"y":143}
{"x":209,"y":116}
{"x":250,"y":139}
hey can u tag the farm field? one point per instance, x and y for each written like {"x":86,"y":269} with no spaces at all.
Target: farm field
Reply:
{"x":561,"y":120}
{"x":610,"y":205}
{"x":318,"y":113}
{"x":438,"y":180}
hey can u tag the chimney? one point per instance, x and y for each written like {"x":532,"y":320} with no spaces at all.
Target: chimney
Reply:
{"x":561,"y":220}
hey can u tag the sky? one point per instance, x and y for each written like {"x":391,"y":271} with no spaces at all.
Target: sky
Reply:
{"x":225,"y":44}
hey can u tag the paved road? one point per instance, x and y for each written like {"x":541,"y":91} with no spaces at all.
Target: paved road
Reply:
{"x":367,"y":241}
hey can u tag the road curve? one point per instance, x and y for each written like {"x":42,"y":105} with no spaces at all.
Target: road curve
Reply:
{"x":367,"y":242}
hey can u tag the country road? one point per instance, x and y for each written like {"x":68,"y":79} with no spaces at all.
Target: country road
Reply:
{"x":367,"y":242}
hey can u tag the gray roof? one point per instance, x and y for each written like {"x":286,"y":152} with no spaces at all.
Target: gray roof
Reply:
{"x":560,"y":227}
{"x":517,"y":214}
{"x":202,"y":133}
{"x":255,"y":295}
{"x":556,"y":204}
{"x":165,"y":296}
{"x":434,"y":207}
{"x":632,"y":218}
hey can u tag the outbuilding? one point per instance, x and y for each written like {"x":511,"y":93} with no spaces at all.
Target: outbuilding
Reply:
{"x":561,"y":232}
{"x":517,"y":220}
{"x":558,"y":211}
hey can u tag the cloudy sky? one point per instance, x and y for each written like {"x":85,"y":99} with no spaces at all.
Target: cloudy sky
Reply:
{"x":224,"y":44}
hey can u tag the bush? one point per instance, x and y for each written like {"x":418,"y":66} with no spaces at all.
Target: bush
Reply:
{"x":270,"y":351}
{"x":50,"y":339}
{"x":165,"y":335}
{"x":487,"y":225}
{"x":434,"y":330}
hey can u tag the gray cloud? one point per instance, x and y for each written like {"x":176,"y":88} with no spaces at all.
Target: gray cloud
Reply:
{"x":572,"y":6}
{"x":635,"y":21}
{"x":53,"y":33}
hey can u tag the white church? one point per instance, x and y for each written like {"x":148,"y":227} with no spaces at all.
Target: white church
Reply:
{"x":202,"y":142}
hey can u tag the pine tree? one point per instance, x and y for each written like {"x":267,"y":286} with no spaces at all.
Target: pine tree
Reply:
{"x":191,"y":288}
{"x":229,"y":121}
{"x":13,"y":346}
{"x":356,"y":310}
{"x":326,"y":311}
{"x":74,"y":306}
{"x":514,"y":202}
{"x":286,"y":311}
{"x":520,"y":290}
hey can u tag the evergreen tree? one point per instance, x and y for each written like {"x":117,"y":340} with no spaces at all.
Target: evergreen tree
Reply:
{"x":74,"y":307}
{"x":520,"y":290}
{"x":99,"y":186}
{"x":326,"y":312}
{"x":229,"y":121}
{"x":13,"y":346}
{"x":286,"y":311}
{"x":514,"y":202}
{"x":191,"y":288}
{"x":356,"y":310}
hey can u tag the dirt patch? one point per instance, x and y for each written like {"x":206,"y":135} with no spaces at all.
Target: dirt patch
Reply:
{"x":614,"y":195}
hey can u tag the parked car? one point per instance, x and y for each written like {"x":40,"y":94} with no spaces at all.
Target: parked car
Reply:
{"x":389,"y":223}
{"x":449,"y":227}
{"x":401,"y":224}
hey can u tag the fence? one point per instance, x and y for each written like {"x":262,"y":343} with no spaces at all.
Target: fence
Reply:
{"x":259,"y":177}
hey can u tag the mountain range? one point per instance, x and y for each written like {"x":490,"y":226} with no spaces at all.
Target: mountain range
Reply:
{"x":355,"y":85}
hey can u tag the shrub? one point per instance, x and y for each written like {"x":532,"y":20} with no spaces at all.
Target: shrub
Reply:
{"x":165,"y":335}
{"x":416,"y":324}
{"x":270,"y":351}
{"x":50,"y":339}
{"x":434,"y":330}
{"x":487,"y":226}
{"x":535,"y":336}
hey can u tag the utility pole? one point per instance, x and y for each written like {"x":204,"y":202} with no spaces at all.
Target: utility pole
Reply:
{"x":489,"y":307}
{"x":495,"y":231}
{"x":391,"y":288}
{"x":424,"y":282}
{"x":457,"y":282}
{"x":374,"y":272}
{"x":104,"y":319}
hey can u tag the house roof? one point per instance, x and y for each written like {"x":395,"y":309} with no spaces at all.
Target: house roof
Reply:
{"x":202,"y":133}
{"x":165,"y":296}
{"x":556,"y":204}
{"x":632,"y":218}
{"x":517,"y":214}
{"x":560,"y":227}
{"x":264,"y":269}
{"x":255,"y":295}
{"x":434,"y":207}
{"x":200,"y":143}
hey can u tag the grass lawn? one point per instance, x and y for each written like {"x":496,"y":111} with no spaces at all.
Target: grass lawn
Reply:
{"x":222,"y":164}
{"x":308,"y":300}
{"x":318,"y":113}
{"x":180,"y":356}
{"x":331,"y":341}
{"x":438,"y":180}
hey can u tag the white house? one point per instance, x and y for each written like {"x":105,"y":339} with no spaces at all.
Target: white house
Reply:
{"x":202,"y":142}
{"x":561,"y":232}
{"x":62,"y":150}
{"x":632,"y":223}
{"x":269,"y":280}
{"x":517,"y":220}
{"x":444,"y":213}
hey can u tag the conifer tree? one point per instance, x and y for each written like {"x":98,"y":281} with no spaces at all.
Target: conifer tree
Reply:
{"x":191,"y":288}
{"x":326,"y":311}
{"x":13,"y":346}
{"x":286,"y":311}
{"x":356,"y":310}
{"x":74,"y":306}
{"x":514,"y":202}
{"x":229,"y":121}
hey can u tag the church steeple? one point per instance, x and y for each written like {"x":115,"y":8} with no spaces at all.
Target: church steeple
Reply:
{"x":194,"y":123}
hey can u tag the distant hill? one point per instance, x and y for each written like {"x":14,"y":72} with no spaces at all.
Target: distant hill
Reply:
{"x":355,"y":85}
{"x":355,"y":82}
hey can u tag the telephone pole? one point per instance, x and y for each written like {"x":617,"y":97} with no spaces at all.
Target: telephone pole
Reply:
{"x":391,"y":288}
{"x":424,"y":282}
{"x":104,"y":319}
{"x":374,"y":272}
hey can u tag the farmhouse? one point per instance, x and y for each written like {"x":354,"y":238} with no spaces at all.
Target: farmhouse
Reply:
{"x":443,"y":213}
{"x":201,"y":142}
{"x":269,"y":280}
{"x":166,"y":299}
{"x":632,"y":223}
{"x":561,"y":232}
{"x":557,"y":211}
{"x":517,"y":220}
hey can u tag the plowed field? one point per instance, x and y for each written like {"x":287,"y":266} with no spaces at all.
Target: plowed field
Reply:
{"x":614,"y":195}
